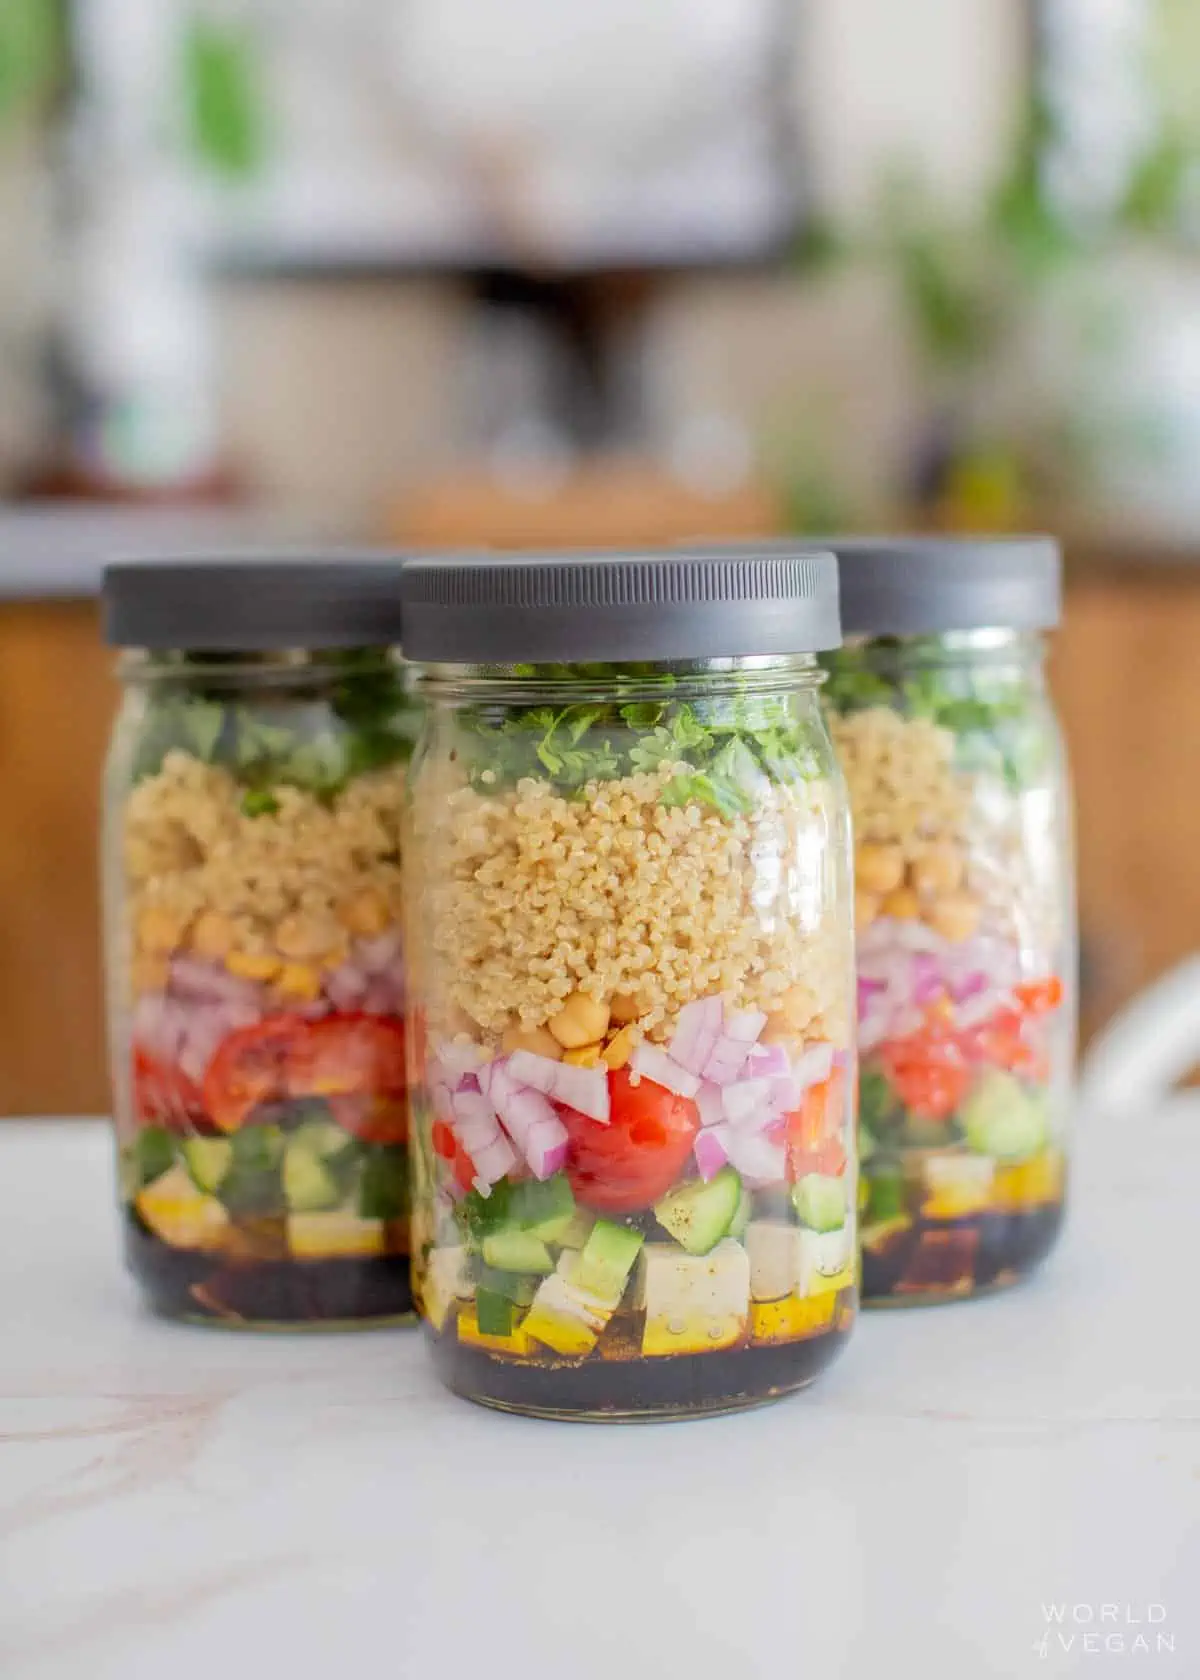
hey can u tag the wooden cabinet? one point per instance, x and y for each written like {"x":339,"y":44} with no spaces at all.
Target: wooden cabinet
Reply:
{"x":1126,"y":672}
{"x":56,"y":703}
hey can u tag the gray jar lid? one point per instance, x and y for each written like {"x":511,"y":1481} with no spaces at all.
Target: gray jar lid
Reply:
{"x":254,"y":603}
{"x":922,"y":586}
{"x":567,"y":608}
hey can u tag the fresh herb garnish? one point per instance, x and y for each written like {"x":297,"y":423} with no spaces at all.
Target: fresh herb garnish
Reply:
{"x":729,"y":746}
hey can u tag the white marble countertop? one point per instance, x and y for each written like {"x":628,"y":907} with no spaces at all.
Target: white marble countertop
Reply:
{"x":192,"y":1503}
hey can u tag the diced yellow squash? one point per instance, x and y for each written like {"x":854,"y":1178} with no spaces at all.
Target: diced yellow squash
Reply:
{"x":181,"y":1215}
{"x":793,"y":1319}
{"x":697,"y":1333}
{"x":587,"y":1056}
{"x":335,"y":1236}
{"x":518,"y":1342}
{"x":957,"y":1186}
{"x":1030,"y":1183}
{"x":620,"y":1047}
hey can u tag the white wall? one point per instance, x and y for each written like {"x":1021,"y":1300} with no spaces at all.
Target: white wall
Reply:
{"x":937,"y":82}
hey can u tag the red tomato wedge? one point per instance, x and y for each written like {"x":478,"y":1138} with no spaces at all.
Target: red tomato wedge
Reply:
{"x":354,"y":1062}
{"x":1041,"y":997}
{"x":814,"y":1130}
{"x":633,"y":1161}
{"x":164,"y":1095}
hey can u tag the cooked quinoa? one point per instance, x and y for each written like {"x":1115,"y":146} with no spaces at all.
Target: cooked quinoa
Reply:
{"x":539,"y":896}
{"x":904,"y":789}
{"x":264,"y":892}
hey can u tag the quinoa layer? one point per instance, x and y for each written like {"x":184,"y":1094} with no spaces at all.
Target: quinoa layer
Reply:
{"x":531,"y":897}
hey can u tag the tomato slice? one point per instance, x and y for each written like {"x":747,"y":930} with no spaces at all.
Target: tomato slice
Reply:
{"x":164,"y":1095}
{"x":814,"y":1130}
{"x":355,"y":1062}
{"x":928,"y":1073}
{"x":634,"y":1160}
{"x":1040,"y":997}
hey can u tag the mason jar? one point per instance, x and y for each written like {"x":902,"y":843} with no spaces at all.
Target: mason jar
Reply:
{"x":629,"y":930}
{"x":964,"y":906}
{"x":253,"y":808}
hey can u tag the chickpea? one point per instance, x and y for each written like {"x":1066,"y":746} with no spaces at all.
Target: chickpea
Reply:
{"x":213,"y":935}
{"x":878,"y":869}
{"x":253,"y":965}
{"x":625,"y":1007}
{"x":160,"y":929}
{"x":939,"y":869}
{"x":299,"y":981}
{"x":617,"y":1051}
{"x":866,"y":908}
{"x":581,"y":1020}
{"x":790,"y":1015}
{"x":149,"y":972}
{"x":955,"y":916}
{"x":588,"y":1056}
{"x":367,"y":914}
{"x":534,"y":1039}
{"x":902,"y":904}
{"x":303,"y":938}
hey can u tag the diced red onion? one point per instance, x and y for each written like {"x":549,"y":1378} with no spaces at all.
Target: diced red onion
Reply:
{"x":697,"y":1028}
{"x":583,"y":1089}
{"x":868,"y":989}
{"x":711,"y":1151}
{"x":759,"y":1159}
{"x":748,"y":1103}
{"x":711,"y":1105}
{"x":190,"y":977}
{"x":546,"y":1147}
{"x":375,"y":956}
{"x":345,"y":985}
{"x":815,"y":1065}
{"x":159,"y":1025}
{"x":655,"y":1065}
{"x":768,"y":1061}
{"x":459,"y":1059}
{"x":981,"y":1008}
{"x":745,"y":1025}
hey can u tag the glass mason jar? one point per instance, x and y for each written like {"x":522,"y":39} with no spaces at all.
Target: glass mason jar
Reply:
{"x":630,"y":1003}
{"x":964,"y":906}
{"x":253,"y":813}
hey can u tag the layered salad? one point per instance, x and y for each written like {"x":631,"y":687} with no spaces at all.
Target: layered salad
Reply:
{"x":964,"y":954}
{"x":258,"y":989}
{"x":632,"y":958}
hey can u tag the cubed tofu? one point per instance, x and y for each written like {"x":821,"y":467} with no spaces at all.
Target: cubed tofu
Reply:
{"x":827,"y":1261}
{"x":518,"y":1342}
{"x":339,"y":1235}
{"x":444,"y":1278}
{"x":957,"y":1186}
{"x":694,"y":1303}
{"x":180,"y":1214}
{"x":791,"y":1320}
{"x":776,"y":1258}
{"x":564,"y":1316}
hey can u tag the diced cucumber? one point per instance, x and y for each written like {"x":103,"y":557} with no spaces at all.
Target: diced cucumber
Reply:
{"x":495,"y":1314}
{"x":208,"y":1161}
{"x":309,"y":1186}
{"x":885,"y":1194}
{"x":383,"y":1192}
{"x":254,"y":1183}
{"x":323,"y":1139}
{"x":698,"y":1215}
{"x":514,"y":1250}
{"x":1004,"y":1120}
{"x":575,"y":1232}
{"x":741,"y":1218}
{"x":607,"y":1258}
{"x":150,"y":1155}
{"x":534,"y":1205}
{"x":820,"y":1202}
{"x":514,"y":1286}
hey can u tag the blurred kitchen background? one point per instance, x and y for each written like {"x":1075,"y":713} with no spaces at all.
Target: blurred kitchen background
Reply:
{"x":449,"y":272}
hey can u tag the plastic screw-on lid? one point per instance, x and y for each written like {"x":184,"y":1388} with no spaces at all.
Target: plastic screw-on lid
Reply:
{"x":923,"y":586}
{"x":566,"y":608}
{"x":255,"y":603}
